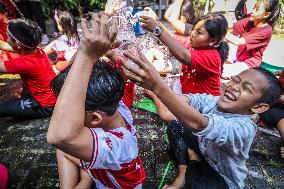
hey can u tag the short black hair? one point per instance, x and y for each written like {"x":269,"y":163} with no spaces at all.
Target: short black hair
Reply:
{"x":27,"y":32}
{"x":273,"y":91}
{"x":105,"y":88}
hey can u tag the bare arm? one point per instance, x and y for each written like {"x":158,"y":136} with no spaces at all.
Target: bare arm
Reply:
{"x":281,"y":99}
{"x":150,"y":79}
{"x":179,"y":51}
{"x":178,"y":25}
{"x":2,"y":67}
{"x":66,"y":130}
{"x":5,"y":46}
{"x":235,"y":40}
{"x":48,"y":49}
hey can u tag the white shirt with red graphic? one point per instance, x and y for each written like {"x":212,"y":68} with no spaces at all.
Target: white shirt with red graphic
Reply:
{"x":115,"y":161}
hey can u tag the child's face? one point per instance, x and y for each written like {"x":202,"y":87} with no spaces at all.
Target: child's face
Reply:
{"x":199,"y":37}
{"x":259,"y":12}
{"x":243,"y":92}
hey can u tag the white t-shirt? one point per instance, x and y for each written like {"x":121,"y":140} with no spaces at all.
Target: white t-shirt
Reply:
{"x":61,"y":44}
{"x":115,"y":162}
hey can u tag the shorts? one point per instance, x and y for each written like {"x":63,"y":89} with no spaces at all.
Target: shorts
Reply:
{"x":273,"y":115}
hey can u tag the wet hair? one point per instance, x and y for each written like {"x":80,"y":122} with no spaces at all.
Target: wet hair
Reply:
{"x":105,"y":87}
{"x":271,"y":6}
{"x":27,"y":32}
{"x":216,"y":25}
{"x":69,"y":26}
{"x":273,"y":91}
{"x":187,"y":11}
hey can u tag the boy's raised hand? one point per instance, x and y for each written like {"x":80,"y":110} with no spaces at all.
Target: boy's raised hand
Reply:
{"x":145,"y":75}
{"x":101,"y":36}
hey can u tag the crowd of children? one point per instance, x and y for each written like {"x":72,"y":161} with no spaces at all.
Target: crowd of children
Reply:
{"x":211,"y":127}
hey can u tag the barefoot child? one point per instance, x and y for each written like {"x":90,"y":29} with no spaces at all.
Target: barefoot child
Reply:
{"x":97,"y":134}
{"x":35,"y":70}
{"x":218,"y":130}
{"x":252,"y":35}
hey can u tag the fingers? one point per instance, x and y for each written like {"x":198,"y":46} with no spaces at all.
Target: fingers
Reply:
{"x":133,"y":69}
{"x":95,"y":23}
{"x":84,"y":25}
{"x":113,"y":29}
{"x":105,"y":26}
{"x":130,"y":75}
{"x":116,"y":44}
{"x":141,"y":63}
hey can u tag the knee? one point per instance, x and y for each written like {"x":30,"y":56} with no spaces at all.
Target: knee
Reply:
{"x":173,"y":127}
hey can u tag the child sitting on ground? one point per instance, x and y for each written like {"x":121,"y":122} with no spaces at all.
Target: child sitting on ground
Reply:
{"x":66,"y":45}
{"x":97,"y":134}
{"x":215,"y":132}
{"x":274,"y":117}
{"x":37,"y":100}
{"x":252,"y":35}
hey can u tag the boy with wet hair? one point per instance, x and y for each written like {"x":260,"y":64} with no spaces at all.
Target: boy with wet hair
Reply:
{"x":217,"y":131}
{"x":90,"y":126}
{"x":34,"y":67}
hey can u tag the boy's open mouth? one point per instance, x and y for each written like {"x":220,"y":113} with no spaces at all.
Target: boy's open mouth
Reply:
{"x":229,"y":97}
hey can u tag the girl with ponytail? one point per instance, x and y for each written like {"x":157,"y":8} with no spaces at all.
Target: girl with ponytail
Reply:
{"x":202,"y":54}
{"x":252,"y":35}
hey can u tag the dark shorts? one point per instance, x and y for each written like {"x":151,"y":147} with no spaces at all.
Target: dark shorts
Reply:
{"x":199,"y":174}
{"x":24,"y":108}
{"x":273,"y":115}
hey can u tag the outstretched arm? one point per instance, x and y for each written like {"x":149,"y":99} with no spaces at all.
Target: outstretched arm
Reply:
{"x":149,"y":78}
{"x":179,"y":51}
{"x":235,"y":40}
{"x":66,"y":130}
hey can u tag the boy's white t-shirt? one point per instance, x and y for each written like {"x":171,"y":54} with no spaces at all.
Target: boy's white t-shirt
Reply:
{"x":115,"y":162}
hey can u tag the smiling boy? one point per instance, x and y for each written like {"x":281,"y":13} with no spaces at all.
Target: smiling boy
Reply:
{"x":223,"y":125}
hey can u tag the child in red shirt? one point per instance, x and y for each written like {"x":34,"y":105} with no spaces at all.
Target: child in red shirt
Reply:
{"x":202,"y":56}
{"x":35,"y":70}
{"x":252,"y":35}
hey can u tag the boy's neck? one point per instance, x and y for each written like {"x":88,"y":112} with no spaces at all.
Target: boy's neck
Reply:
{"x":113,"y":122}
{"x":28,"y":51}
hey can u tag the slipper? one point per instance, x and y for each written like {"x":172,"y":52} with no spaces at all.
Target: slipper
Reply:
{"x":3,"y":176}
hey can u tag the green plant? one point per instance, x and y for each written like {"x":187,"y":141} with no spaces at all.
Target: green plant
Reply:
{"x":71,"y":5}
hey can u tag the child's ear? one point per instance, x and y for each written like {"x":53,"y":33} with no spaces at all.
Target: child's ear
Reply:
{"x":96,"y":118}
{"x":18,"y":45}
{"x":260,"y":108}
{"x":267,"y":14}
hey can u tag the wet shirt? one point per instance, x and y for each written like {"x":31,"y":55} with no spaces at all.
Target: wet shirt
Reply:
{"x":115,"y":162}
{"x":36,"y":72}
{"x":257,"y":39}
{"x":226,"y":141}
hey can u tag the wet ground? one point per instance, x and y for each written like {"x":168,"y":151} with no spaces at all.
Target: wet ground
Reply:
{"x":31,"y":161}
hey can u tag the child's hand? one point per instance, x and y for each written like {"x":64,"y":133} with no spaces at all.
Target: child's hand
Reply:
{"x":145,"y":75}
{"x":149,"y":23}
{"x":99,"y":40}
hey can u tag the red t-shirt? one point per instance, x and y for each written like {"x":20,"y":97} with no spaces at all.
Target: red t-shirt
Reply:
{"x":36,"y":72}
{"x":203,"y":76}
{"x":257,"y":39}
{"x":3,"y":29}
